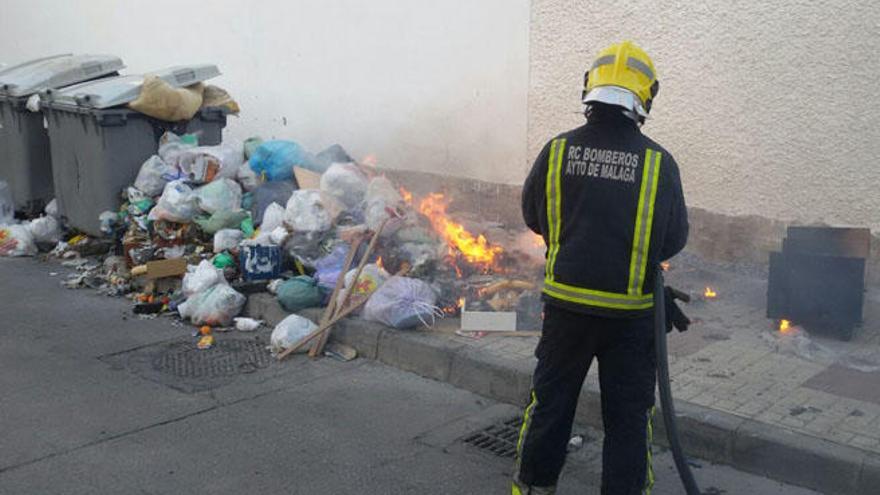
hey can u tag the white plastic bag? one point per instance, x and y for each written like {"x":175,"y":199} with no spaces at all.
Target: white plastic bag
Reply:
{"x":221,"y":194}
{"x":372,"y":277}
{"x":134,"y":194}
{"x":227,"y":239}
{"x":52,"y":208}
{"x":306,"y":213}
{"x":177,"y":203}
{"x":289,"y":332}
{"x":215,"y":306}
{"x":403,"y":302}
{"x":244,"y":324}
{"x":171,"y":146}
{"x":273,"y":217}
{"x":345,"y":183}
{"x":33,"y":103}
{"x":279,"y":235}
{"x":16,"y":240}
{"x":272,"y":286}
{"x":381,"y":195}
{"x":45,"y":229}
{"x":153,"y":176}
{"x":246,"y":176}
{"x":108,"y":220}
{"x":207,"y":163}
{"x":202,"y":278}
{"x":7,"y":207}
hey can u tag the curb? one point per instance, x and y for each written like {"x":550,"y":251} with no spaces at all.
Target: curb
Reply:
{"x":745,"y":444}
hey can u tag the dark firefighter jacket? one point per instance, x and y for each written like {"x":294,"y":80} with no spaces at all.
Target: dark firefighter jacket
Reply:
{"x":608,"y":202}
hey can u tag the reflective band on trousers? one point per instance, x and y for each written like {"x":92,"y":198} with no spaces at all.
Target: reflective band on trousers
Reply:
{"x":634,"y":298}
{"x":649,"y":474}
{"x":523,"y":431}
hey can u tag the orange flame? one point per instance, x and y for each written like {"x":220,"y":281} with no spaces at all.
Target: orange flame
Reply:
{"x":379,"y":263}
{"x":538,"y":240}
{"x":709,"y":293}
{"x":454,"y":308}
{"x":785,"y":327}
{"x":406,"y":195}
{"x":476,"y":250}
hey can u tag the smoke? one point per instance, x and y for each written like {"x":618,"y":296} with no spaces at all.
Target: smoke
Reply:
{"x":419,"y":84}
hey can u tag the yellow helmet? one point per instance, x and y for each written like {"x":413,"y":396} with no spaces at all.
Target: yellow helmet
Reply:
{"x":622,"y":65}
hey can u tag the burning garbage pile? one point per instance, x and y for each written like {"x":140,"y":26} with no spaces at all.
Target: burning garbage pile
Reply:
{"x":475,"y":271}
{"x":201,"y":227}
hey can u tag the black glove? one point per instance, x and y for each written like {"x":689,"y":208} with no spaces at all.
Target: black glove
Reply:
{"x":675,"y":317}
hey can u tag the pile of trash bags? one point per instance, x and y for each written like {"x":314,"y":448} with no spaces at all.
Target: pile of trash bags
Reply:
{"x":236,"y":214}
{"x":22,"y":238}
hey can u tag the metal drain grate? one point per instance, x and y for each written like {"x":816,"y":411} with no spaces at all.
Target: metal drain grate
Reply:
{"x":227,"y":358}
{"x":498,"y":439}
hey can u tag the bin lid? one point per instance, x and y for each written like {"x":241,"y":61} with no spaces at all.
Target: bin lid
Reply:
{"x":114,"y":91}
{"x":6,"y":70}
{"x":56,"y":72}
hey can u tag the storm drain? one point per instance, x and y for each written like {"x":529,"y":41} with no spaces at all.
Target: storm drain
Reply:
{"x":226,"y":358}
{"x":498,"y":439}
{"x":180,"y":365}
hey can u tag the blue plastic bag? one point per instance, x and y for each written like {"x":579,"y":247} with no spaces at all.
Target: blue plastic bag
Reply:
{"x":275,"y":160}
{"x":329,"y":268}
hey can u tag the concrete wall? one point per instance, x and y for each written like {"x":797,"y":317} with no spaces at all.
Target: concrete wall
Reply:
{"x":769,"y":107}
{"x":423,"y":85}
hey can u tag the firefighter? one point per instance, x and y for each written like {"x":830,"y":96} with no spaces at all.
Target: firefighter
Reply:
{"x":609,"y":204}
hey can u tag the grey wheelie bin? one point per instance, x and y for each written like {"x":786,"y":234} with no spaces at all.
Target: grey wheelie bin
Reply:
{"x":25,"y":162}
{"x":98,"y":147}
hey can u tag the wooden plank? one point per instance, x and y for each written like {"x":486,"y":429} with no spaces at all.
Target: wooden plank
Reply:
{"x":319,"y":345}
{"x":161,"y":268}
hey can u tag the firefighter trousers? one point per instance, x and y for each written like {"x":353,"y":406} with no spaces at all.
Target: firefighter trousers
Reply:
{"x":624,"y":349}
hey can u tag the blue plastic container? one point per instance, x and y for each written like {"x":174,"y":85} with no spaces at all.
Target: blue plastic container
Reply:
{"x":260,"y":262}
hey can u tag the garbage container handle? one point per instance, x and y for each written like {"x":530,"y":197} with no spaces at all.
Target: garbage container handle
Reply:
{"x":92,"y":68}
{"x":111,"y":119}
{"x":214,"y":114}
{"x":185,"y":77}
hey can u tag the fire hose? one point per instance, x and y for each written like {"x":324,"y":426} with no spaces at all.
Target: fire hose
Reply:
{"x":666,"y":404}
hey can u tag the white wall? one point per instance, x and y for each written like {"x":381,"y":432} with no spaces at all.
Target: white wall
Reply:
{"x":769,"y":107}
{"x":425,"y":85}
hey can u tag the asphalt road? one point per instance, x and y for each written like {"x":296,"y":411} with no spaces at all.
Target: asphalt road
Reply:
{"x":95,"y":401}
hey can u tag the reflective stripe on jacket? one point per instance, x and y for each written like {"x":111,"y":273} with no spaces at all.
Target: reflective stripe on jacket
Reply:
{"x":608,"y":202}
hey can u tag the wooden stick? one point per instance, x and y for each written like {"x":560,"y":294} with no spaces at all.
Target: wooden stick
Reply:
{"x":320,"y":330}
{"x":340,"y":315}
{"x":319,"y":345}
{"x":340,"y":280}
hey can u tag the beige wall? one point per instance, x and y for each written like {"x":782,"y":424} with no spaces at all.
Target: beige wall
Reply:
{"x":424,"y":85}
{"x":770,"y":108}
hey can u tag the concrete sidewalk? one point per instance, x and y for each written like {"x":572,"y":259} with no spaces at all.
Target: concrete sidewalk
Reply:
{"x":796,"y":408}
